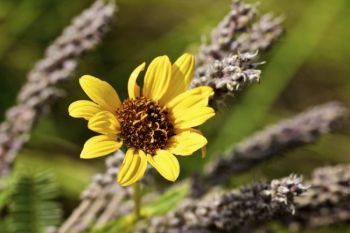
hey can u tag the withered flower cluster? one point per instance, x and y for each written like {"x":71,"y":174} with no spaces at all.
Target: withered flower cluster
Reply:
{"x":302,"y":129}
{"x":233,"y":210}
{"x":229,"y":62}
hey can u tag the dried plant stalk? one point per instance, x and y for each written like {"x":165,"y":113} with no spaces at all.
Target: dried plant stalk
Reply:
{"x":262,"y":35}
{"x":100,"y":202}
{"x":237,"y":20}
{"x":232,"y":211}
{"x":59,"y":62}
{"x":228,"y":76}
{"x":238,"y":33}
{"x":299,"y":130}
{"x":228,"y":63}
{"x":327,"y":201}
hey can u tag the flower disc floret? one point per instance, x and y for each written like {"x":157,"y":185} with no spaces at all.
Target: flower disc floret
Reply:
{"x":144,"y":125}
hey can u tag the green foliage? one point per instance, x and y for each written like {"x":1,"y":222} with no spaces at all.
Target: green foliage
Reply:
{"x":5,"y":226}
{"x":163,"y":204}
{"x":32,"y":208}
{"x":70,"y":184}
{"x":5,"y":193}
{"x":122,"y":224}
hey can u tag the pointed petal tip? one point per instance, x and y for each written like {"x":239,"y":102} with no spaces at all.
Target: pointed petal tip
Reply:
{"x":84,"y":155}
{"x":173,"y":179}
{"x":187,"y":58}
{"x":157,"y":78}
{"x":142,"y":66}
{"x":133,"y":88}
{"x":86,"y":77}
{"x":100,"y":92}
{"x":121,"y":182}
{"x":70,"y":109}
{"x":188,"y":55}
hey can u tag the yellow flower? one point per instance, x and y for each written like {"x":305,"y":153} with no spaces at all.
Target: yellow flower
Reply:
{"x":153,"y":126}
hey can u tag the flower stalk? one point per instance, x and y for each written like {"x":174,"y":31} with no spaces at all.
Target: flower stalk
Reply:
{"x":137,"y":196}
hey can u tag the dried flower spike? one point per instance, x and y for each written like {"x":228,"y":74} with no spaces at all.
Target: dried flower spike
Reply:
{"x":153,"y":126}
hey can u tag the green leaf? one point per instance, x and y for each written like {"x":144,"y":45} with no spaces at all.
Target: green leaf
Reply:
{"x":33,"y":208}
{"x":165,"y":202}
{"x":71,"y":181}
{"x":6,"y":190}
{"x":161,"y":205}
{"x":5,"y":226}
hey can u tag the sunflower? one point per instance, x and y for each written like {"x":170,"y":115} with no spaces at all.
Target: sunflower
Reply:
{"x":153,"y":126}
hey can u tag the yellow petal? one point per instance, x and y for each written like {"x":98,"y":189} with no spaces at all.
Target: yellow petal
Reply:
{"x":186,"y":142}
{"x":197,"y":97}
{"x":192,"y":117}
{"x":104,"y":122}
{"x":133,"y":167}
{"x":100,"y":92}
{"x":181,"y":76}
{"x":100,"y":145}
{"x":133,"y":88}
{"x":165,"y":163}
{"x":185,"y":65}
{"x":157,"y":78}
{"x":83,"y":109}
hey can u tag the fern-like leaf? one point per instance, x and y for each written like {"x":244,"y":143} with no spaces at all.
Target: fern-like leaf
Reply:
{"x":5,"y":226}
{"x":33,"y":209}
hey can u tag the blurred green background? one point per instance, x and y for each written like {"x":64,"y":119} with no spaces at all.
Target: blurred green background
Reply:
{"x":309,"y":65}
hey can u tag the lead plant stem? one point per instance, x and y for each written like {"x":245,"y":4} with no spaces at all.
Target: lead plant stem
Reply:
{"x":137,"y":201}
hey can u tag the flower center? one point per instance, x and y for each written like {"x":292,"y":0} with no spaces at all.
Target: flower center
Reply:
{"x":144,"y":125}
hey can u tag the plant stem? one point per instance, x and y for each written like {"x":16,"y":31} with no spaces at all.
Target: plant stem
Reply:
{"x":137,"y":201}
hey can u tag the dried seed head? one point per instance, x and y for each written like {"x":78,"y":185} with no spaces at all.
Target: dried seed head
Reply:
{"x":144,"y":125}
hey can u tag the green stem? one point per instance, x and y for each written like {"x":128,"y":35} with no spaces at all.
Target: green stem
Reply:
{"x":137,"y":201}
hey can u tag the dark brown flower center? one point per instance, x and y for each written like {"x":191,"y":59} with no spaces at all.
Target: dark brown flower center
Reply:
{"x":144,"y":125}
